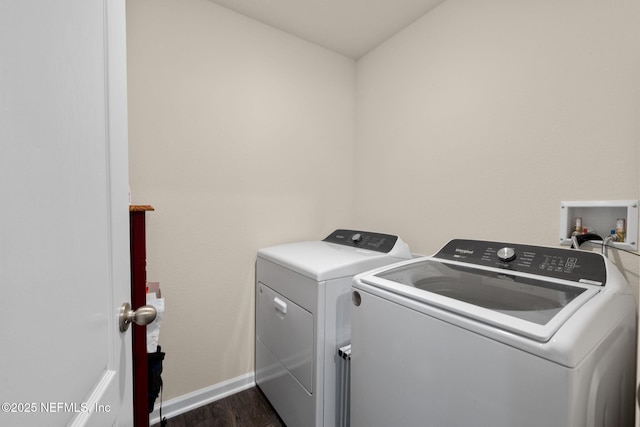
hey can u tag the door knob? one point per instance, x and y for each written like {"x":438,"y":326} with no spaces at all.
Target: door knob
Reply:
{"x":142,"y":316}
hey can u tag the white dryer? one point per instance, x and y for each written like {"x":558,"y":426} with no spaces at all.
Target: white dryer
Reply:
{"x":303,"y":298}
{"x":496,"y":335}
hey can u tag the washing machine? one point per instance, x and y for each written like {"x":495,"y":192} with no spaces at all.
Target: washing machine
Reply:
{"x":303,"y":298}
{"x":494,"y":334}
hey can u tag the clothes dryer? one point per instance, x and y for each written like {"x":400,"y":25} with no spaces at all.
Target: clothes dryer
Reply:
{"x":494,"y":334}
{"x":303,"y":318}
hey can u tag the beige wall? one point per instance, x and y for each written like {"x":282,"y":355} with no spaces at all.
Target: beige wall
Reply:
{"x":476,"y":121}
{"x":483,"y":116}
{"x":241,"y":137}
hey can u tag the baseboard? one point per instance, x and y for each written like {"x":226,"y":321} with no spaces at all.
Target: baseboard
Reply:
{"x":187,"y":402}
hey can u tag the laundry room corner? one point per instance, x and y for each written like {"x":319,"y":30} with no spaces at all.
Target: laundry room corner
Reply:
{"x":474,"y":122}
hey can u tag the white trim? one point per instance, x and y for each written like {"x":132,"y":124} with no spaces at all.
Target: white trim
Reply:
{"x":187,"y":402}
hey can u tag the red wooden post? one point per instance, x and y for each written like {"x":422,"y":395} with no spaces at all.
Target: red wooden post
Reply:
{"x":138,"y":299}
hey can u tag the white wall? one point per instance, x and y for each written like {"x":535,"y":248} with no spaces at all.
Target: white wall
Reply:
{"x":483,"y":116}
{"x":241,"y":137}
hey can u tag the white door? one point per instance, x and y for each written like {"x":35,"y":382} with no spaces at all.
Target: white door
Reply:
{"x":64,"y":246}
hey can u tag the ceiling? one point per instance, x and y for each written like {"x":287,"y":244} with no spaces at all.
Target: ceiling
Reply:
{"x":349,"y":27}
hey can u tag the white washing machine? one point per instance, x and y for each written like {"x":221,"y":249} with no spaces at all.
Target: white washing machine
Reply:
{"x":494,"y":334}
{"x":303,"y":298}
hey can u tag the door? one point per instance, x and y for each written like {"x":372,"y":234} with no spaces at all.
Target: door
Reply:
{"x":64,"y":249}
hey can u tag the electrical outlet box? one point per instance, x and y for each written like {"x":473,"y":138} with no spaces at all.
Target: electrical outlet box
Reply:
{"x":600,"y":217}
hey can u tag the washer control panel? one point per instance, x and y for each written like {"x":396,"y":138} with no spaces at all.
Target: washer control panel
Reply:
{"x":363,"y":239}
{"x":568,"y":264}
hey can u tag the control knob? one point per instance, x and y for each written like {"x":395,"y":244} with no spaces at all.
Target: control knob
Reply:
{"x":507,"y":254}
{"x":356,"y":238}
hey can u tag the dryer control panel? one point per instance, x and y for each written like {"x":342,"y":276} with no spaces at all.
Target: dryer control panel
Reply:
{"x":568,"y":264}
{"x":363,"y":239}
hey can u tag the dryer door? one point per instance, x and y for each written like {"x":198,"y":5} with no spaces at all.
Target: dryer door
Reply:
{"x":286,"y":329}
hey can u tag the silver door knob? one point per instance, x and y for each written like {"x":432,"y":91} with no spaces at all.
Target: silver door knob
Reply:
{"x":142,"y":316}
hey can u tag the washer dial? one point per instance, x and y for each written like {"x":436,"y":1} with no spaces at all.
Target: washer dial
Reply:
{"x":507,"y":254}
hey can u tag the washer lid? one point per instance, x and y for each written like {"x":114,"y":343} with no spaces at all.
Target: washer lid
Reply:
{"x":527,"y":305}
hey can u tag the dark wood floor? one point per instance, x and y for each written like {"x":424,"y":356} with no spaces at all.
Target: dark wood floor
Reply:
{"x":249,"y":408}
